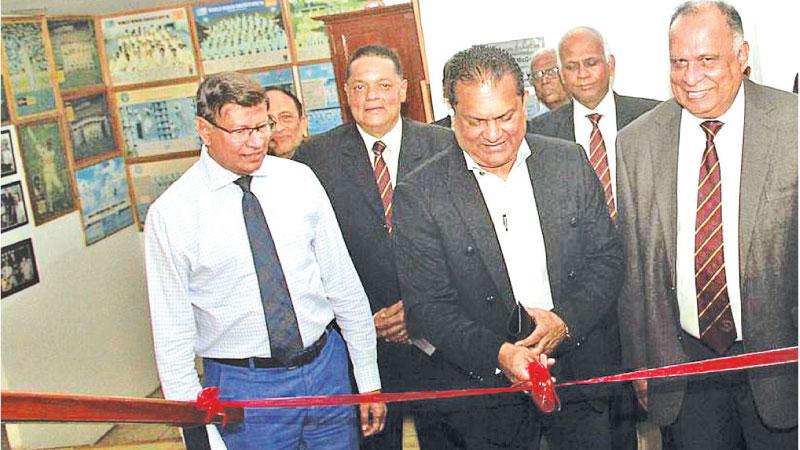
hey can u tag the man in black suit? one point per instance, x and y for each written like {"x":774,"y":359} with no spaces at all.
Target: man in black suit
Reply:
{"x":358,"y":163}
{"x":586,"y":67}
{"x":506,"y":253}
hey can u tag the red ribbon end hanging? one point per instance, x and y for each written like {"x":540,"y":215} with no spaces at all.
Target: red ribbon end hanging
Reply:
{"x":543,"y":390}
{"x":208,"y":401}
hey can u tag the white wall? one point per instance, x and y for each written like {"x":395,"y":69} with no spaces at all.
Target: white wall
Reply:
{"x":636,"y":31}
{"x":83,"y":329}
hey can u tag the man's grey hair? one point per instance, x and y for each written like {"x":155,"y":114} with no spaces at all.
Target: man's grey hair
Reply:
{"x":225,"y":88}
{"x":732,"y":17}
{"x":481,"y":63}
{"x":541,"y":52}
{"x":587,"y":30}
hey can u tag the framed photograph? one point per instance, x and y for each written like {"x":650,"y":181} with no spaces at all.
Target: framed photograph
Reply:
{"x":28,"y":70}
{"x":49,"y":180}
{"x":4,"y":114}
{"x":89,"y":127}
{"x":18,"y":267}
{"x":158,"y":120}
{"x":8,"y":164}
{"x":281,"y":78}
{"x":13,"y":207}
{"x":241,"y":34}
{"x":318,"y":84}
{"x":149,"y":46}
{"x":322,"y":120}
{"x":310,"y":38}
{"x":151,"y":179}
{"x":105,"y":202}
{"x":75,"y":53}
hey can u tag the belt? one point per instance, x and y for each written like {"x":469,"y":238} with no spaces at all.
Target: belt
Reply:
{"x":304,"y":357}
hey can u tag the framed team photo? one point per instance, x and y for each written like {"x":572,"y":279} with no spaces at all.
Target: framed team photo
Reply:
{"x":14,"y":213}
{"x":89,"y":127}
{"x":75,"y":53}
{"x":18,"y":267}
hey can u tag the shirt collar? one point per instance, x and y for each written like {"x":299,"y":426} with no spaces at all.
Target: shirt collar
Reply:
{"x":522,"y":155}
{"x":606,"y":107}
{"x":392,"y":139}
{"x":734,"y":114}
{"x":217,"y":177}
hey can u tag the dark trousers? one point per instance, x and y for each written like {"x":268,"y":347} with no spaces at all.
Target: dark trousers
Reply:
{"x":718,"y":411}
{"x":433,"y":433}
{"x":578,"y":425}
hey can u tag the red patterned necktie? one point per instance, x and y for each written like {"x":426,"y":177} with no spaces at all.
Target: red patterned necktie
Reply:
{"x":599,"y":161}
{"x":713,"y":306}
{"x":384,"y":181}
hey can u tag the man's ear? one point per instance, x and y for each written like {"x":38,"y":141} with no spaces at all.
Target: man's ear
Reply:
{"x":204,"y":130}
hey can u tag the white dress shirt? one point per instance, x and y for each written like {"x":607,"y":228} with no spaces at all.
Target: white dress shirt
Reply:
{"x":512,"y":207}
{"x":692,"y":144}
{"x":391,"y":154}
{"x":203,"y":289}
{"x":608,"y":128}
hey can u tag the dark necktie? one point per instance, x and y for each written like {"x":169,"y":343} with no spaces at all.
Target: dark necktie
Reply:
{"x":284,"y":335}
{"x":384,"y":181}
{"x":599,"y":161}
{"x":713,"y":306}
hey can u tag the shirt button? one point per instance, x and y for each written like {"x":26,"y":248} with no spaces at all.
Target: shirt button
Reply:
{"x":470,"y":250}
{"x":490,"y":299}
{"x":573,"y":221}
{"x":572,"y":275}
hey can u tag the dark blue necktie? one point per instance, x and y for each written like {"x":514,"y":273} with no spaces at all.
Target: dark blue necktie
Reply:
{"x":284,"y":335}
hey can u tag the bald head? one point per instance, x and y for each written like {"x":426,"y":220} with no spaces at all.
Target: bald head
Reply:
{"x":586,"y":65}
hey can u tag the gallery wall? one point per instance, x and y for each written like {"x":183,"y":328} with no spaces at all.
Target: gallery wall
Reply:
{"x":635,"y":30}
{"x":98,"y":119}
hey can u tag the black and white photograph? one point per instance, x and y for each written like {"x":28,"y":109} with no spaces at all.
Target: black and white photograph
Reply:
{"x":14,"y":213}
{"x":19,"y":267}
{"x":8,"y":165}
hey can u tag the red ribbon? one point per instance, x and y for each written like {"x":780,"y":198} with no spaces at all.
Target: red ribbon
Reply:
{"x":540,"y":384}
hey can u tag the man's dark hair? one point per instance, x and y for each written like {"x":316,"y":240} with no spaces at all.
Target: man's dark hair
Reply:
{"x":732,"y":17}
{"x":374,"y":50}
{"x":290,"y":94}
{"x":480,"y":63}
{"x":223,"y":88}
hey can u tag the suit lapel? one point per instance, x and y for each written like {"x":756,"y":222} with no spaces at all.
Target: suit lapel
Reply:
{"x":664,"y":149}
{"x":358,"y":168}
{"x":566,"y":127}
{"x":759,"y":140}
{"x":545,"y":184}
{"x":411,"y":150}
{"x":469,"y":203}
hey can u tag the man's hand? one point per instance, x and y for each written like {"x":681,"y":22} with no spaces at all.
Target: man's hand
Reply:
{"x":549,"y":332}
{"x":390,"y":324}
{"x":640,"y":387}
{"x":373,"y":417}
{"x":514,"y":361}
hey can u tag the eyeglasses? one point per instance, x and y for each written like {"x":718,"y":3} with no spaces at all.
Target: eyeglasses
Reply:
{"x":540,"y":74}
{"x":244,"y":133}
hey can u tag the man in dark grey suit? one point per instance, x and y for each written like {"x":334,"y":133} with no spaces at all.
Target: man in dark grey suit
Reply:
{"x":505,"y":253}
{"x":345,"y":162}
{"x":723,"y":151}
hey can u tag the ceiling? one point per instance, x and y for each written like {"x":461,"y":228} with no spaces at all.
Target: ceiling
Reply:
{"x":84,"y":7}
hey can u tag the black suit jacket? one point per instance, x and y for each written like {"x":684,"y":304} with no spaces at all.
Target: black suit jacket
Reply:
{"x":340,"y":160}
{"x":560,"y":122}
{"x":455,"y":283}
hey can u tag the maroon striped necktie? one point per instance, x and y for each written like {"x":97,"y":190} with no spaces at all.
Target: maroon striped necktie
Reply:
{"x":599,"y":161}
{"x":715,"y":318}
{"x":384,"y":181}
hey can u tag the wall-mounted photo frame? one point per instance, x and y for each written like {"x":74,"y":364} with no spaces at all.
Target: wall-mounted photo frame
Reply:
{"x":14,"y":214}
{"x":8,"y":163}
{"x":320,"y":97}
{"x":75,"y":52}
{"x":28,"y":69}
{"x":157,"y":121}
{"x":5,"y":116}
{"x":150,"y":180}
{"x":104,"y":198}
{"x":241,"y":34}
{"x":89,"y":127}
{"x":48,"y":175}
{"x":310,"y":38}
{"x":281,"y":78}
{"x":149,"y":46}
{"x":18,"y":269}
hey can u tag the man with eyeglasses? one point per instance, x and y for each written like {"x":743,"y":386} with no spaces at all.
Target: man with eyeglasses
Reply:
{"x":291,"y":123}
{"x":251,"y":281}
{"x":546,"y":80}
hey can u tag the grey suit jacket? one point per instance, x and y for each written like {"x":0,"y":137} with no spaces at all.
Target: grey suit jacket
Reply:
{"x":647,"y":158}
{"x":560,"y":122}
{"x":454,"y":279}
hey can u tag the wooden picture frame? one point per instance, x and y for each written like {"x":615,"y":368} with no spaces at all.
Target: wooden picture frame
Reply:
{"x":14,"y":213}
{"x":47,"y":169}
{"x":89,"y":126}
{"x":312,"y":42}
{"x":104,"y":198}
{"x":320,"y":97}
{"x":75,"y":54}
{"x":149,"y":180}
{"x":19,"y":269}
{"x":26,"y":58}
